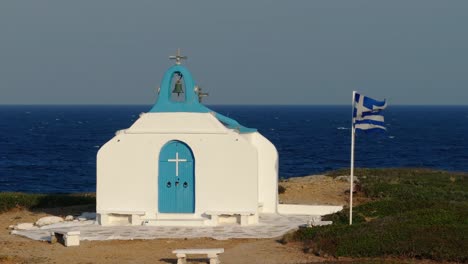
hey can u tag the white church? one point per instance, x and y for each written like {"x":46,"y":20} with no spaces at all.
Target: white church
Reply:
{"x":182,"y":164}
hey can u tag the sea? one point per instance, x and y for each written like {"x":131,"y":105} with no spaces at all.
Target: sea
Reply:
{"x":52,"y":149}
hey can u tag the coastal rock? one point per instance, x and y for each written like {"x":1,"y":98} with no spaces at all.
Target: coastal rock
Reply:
{"x":69,"y":218}
{"x":48,"y":220}
{"x":87,"y":216}
{"x":24,"y":226}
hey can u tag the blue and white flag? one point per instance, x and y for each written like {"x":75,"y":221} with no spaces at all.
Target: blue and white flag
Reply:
{"x":368,"y":113}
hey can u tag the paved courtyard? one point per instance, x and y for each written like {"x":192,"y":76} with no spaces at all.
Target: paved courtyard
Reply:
{"x":270,"y":226}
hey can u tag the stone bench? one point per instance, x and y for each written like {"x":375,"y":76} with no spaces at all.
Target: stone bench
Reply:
{"x":244,"y":216}
{"x":132,"y":217}
{"x":67,"y":238}
{"x":212,"y":254}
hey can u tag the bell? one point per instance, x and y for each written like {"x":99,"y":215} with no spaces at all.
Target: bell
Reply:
{"x":178,"y":88}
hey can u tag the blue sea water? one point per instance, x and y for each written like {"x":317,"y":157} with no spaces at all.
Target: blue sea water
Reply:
{"x":52,"y":149}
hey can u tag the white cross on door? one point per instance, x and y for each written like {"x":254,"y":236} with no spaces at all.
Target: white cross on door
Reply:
{"x":177,"y":160}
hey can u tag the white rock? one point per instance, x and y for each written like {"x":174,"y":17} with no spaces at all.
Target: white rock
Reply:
{"x":11,"y":227}
{"x":48,"y":220}
{"x":69,"y":218}
{"x":87,"y":216}
{"x":24,"y":226}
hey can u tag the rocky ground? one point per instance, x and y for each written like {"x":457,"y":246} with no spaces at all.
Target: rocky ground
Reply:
{"x":316,"y":189}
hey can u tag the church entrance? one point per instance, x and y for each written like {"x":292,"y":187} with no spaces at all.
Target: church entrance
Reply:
{"x":176,"y":182}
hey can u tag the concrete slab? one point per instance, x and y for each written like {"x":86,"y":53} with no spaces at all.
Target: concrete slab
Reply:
{"x":270,"y":226}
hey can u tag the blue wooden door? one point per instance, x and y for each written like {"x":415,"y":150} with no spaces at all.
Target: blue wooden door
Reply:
{"x":176,"y":183}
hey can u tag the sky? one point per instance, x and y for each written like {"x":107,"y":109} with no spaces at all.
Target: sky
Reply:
{"x":241,"y":52}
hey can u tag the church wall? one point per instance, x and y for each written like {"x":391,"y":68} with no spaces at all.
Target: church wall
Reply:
{"x":175,"y":123}
{"x":125,"y":178}
{"x":267,"y":171}
{"x":225,"y":172}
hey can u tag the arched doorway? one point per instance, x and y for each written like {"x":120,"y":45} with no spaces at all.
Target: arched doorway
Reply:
{"x":176,"y":180}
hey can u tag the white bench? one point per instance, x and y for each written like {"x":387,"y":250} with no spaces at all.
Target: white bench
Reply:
{"x":67,"y":238}
{"x":244,"y":216}
{"x":212,"y":254}
{"x":105,"y":217}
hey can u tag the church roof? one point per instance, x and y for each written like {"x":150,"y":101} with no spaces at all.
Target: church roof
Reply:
{"x":191,"y":104}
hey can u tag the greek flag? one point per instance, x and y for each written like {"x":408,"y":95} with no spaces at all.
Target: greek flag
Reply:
{"x":368,"y":113}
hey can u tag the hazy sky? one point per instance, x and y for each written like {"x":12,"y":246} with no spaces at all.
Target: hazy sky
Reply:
{"x":242,"y":52}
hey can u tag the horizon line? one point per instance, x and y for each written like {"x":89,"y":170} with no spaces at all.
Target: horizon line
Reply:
{"x":104,"y":104}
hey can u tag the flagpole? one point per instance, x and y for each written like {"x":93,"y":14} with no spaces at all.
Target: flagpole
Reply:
{"x":351,"y":175}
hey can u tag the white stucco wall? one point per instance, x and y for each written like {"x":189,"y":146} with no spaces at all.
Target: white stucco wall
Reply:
{"x":173,"y":123}
{"x":267,"y":171}
{"x":225,"y":164}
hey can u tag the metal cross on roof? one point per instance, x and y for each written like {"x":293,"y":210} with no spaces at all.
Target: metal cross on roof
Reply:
{"x":200,"y":94}
{"x":178,"y":58}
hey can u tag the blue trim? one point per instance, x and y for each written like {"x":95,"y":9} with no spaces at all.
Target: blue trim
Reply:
{"x":233,"y":124}
{"x":190,"y":104}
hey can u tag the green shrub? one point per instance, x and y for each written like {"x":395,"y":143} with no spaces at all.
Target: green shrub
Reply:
{"x":416,"y":213}
{"x":10,"y":200}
